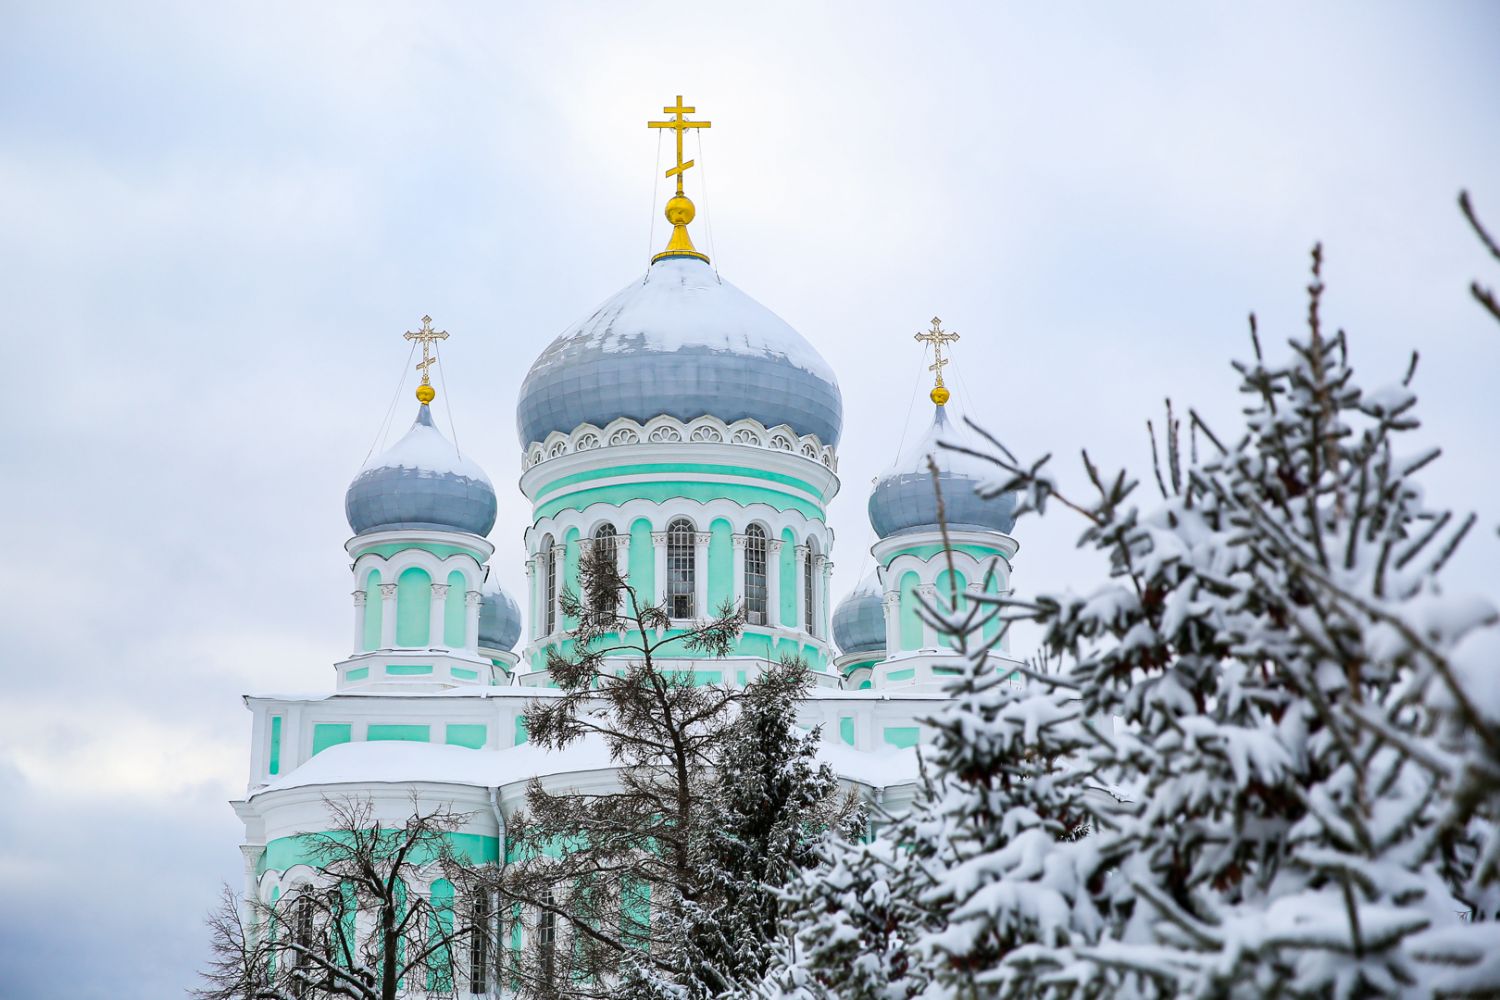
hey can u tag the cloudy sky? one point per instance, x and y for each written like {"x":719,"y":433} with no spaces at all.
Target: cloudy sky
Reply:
{"x":216,"y":221}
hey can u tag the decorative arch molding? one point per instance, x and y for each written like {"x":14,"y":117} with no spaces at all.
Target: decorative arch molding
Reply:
{"x":391,"y":567}
{"x":660,"y":514}
{"x":971,"y":568}
{"x":625,"y":431}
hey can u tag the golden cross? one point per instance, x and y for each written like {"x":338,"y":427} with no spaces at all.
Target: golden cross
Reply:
{"x":937,"y":337}
{"x":679,"y":125}
{"x":428,"y":337}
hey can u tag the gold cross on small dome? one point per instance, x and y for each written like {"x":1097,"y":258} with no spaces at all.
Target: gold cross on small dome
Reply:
{"x":937,"y":337}
{"x":428,"y":337}
{"x":680,"y":210}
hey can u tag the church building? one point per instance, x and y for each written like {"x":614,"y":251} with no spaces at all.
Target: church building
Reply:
{"x":694,"y":433}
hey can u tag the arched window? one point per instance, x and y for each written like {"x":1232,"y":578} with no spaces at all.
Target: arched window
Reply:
{"x":604,"y":540}
{"x":549,"y":585}
{"x":808,"y":601}
{"x":681,"y":570}
{"x":479,"y":955}
{"x":755,"y":575}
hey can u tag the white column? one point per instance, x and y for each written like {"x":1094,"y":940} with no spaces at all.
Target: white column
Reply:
{"x":622,"y":566}
{"x":437,"y":620}
{"x":820,"y":591}
{"x":659,"y":550}
{"x":827,"y":585}
{"x":773,"y":582}
{"x":700,"y":575}
{"x":250,"y":853}
{"x":928,"y":593}
{"x":737,"y":584}
{"x":360,"y":598}
{"x":532,"y":604}
{"x":892,"y":622}
{"x":799,"y":617}
{"x":387,"y":616}
{"x":471,"y":619}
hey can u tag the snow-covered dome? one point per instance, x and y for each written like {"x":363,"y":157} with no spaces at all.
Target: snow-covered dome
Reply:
{"x":859,"y":619}
{"x":499,"y":618}
{"x":904,"y":500}
{"x":684,"y":343}
{"x":421,"y":482}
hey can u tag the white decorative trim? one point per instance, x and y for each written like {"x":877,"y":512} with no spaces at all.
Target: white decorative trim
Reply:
{"x":669,"y":430}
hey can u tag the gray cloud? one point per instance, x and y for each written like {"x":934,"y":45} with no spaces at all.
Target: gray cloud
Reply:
{"x":215,"y":222}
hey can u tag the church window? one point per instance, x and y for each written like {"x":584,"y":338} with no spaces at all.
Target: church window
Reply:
{"x":808,"y":600}
{"x":547,"y":946}
{"x":479,"y":956}
{"x":755,"y":575}
{"x":604,"y":540}
{"x":681,"y":569}
{"x":549,"y":585}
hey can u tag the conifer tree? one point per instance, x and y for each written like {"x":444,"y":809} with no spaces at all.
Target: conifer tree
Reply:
{"x":1266,"y":763}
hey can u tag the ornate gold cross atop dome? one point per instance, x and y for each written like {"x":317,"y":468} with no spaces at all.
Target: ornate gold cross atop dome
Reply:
{"x":937,"y":337}
{"x":680,"y":210}
{"x":428,"y":337}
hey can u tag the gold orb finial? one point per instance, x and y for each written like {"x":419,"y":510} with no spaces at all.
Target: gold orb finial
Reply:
{"x":937,"y":337}
{"x":680,"y":210}
{"x":426,"y":394}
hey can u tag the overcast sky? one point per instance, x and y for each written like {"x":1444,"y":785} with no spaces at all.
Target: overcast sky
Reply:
{"x":217,"y":219}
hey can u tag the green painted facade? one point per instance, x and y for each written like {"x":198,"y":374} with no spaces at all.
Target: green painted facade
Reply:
{"x":640,"y":571}
{"x":720,"y":557}
{"x":660,"y":492}
{"x":787,"y":567}
{"x":330,"y":734}
{"x":466,"y":735}
{"x":912,"y":627}
{"x":902,"y":736}
{"x":275,"y":764}
{"x":454,"y":611}
{"x":373,"y":610}
{"x":690,"y":471}
{"x":407,"y":669}
{"x":413,"y":607}
{"x":846,"y":729}
{"x":386,"y":731}
{"x":302,"y":849}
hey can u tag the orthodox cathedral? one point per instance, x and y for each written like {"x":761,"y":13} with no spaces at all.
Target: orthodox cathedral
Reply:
{"x":695,"y":434}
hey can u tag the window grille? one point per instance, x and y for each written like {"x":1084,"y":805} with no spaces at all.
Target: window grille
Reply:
{"x":681,"y":569}
{"x":807,"y":592}
{"x":755,"y":575}
{"x":604,"y":546}
{"x":549,"y":570}
{"x":479,"y":956}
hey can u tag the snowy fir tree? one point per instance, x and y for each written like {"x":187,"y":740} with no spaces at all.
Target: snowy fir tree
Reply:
{"x":1267,"y":762}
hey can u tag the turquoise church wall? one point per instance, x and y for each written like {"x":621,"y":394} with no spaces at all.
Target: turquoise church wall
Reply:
{"x":911,"y":622}
{"x":788,"y":570}
{"x":572,"y":553}
{"x":720,"y":565}
{"x":455,"y":625}
{"x":641,"y":568}
{"x":413,"y":607}
{"x":373,"y":610}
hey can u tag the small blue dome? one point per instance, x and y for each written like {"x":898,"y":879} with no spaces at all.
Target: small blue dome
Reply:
{"x":499,"y":619}
{"x":684,"y":343}
{"x":859,"y":619}
{"x":904,"y":499}
{"x":421,"y":482}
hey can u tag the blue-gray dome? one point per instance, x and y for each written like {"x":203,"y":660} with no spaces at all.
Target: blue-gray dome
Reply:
{"x":684,"y":343}
{"x":859,"y":619}
{"x":904,"y":500}
{"x":421,"y":482}
{"x":499,"y":619}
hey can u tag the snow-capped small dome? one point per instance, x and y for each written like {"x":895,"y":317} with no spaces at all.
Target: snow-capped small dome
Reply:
{"x":499,"y":618}
{"x":684,"y":343}
{"x":859,"y":619}
{"x":421,"y":482}
{"x":904,"y":500}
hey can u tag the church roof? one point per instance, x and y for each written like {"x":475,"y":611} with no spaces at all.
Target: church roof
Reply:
{"x":904,"y":498}
{"x":421,"y":482}
{"x":859,"y":619}
{"x":682,"y":342}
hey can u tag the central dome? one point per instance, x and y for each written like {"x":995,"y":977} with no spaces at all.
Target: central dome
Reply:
{"x":681,"y":342}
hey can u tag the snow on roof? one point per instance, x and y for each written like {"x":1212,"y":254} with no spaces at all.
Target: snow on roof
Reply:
{"x":684,"y":303}
{"x":424,"y":449}
{"x":397,"y":761}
